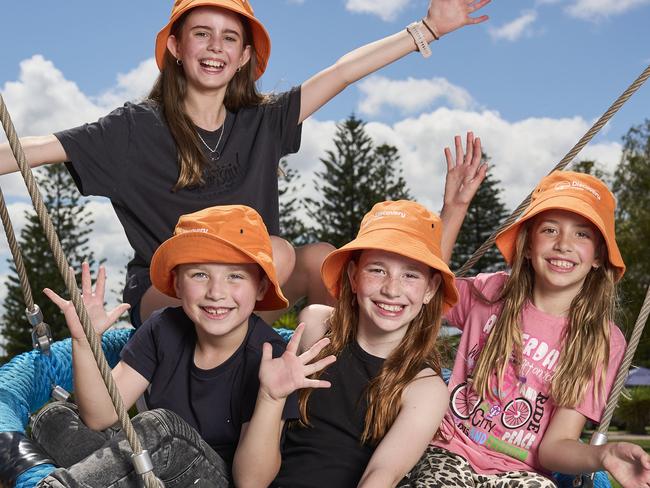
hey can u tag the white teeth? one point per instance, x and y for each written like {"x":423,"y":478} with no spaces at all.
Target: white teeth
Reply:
{"x":216,"y":311}
{"x":390,"y":308}
{"x":213,"y":64}
{"x":561,"y":263}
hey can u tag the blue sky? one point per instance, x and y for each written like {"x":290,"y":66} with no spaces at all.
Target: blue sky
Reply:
{"x":530,"y":81}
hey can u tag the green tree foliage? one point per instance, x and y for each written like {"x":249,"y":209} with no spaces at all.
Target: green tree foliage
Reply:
{"x":486,"y":212}
{"x":292,"y":227}
{"x":357,"y":175}
{"x":72,"y":223}
{"x":632,"y":189}
{"x":590,"y":167}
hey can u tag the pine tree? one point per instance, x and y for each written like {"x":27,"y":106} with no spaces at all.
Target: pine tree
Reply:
{"x":632,"y":189}
{"x":388,"y":177}
{"x":486,"y":212}
{"x":356,"y":176}
{"x":72,"y":223}
{"x":291,"y":227}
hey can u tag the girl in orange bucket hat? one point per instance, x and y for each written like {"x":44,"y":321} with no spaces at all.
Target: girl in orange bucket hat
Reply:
{"x":205,"y":136}
{"x":387,"y":398}
{"x":220,"y":382}
{"x":539,"y":350}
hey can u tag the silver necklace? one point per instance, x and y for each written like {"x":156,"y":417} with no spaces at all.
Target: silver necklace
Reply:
{"x":214,"y":154}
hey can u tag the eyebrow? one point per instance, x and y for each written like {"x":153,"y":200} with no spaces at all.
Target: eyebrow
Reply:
{"x":380,"y":263}
{"x":207,"y":27}
{"x":556,"y":222}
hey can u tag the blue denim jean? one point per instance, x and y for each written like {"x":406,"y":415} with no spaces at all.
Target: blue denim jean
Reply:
{"x":91,"y":459}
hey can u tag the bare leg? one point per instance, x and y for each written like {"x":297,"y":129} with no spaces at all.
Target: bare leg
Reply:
{"x":305,"y":281}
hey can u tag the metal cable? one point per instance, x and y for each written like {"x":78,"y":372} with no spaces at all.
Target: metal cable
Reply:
{"x":621,"y":377}
{"x":16,"y":253}
{"x":69,"y":278}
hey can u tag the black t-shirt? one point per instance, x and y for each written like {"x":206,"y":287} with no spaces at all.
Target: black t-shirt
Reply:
{"x":130,"y":157}
{"x":329,"y":453}
{"x":215,"y":402}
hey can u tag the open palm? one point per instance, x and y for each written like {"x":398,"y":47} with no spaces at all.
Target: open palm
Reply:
{"x":448,"y":15}
{"x":279,"y":377}
{"x":100,"y":319}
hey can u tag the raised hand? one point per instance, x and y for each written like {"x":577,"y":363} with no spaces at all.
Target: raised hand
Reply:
{"x":94,"y":302}
{"x":628,"y":463}
{"x":445,"y":16}
{"x":465,"y":173}
{"x":279,"y":377}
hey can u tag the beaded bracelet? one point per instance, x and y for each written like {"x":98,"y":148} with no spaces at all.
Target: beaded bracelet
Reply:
{"x":418,"y":37}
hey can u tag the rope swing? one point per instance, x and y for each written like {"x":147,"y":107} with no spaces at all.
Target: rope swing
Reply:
{"x":141,"y":459}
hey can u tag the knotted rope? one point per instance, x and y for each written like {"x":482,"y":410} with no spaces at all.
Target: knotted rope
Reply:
{"x":69,"y":278}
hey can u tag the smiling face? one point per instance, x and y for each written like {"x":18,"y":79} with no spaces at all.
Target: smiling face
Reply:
{"x":211,"y":47}
{"x":563,"y":249}
{"x":219,"y":298}
{"x":390,"y":291}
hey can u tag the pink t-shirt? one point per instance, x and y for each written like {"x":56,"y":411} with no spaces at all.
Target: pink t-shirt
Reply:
{"x":504,"y":435}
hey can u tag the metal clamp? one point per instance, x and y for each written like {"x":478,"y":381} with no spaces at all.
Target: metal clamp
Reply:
{"x":142,"y":462}
{"x":34,"y":316}
{"x":598,"y":439}
{"x":59,"y":393}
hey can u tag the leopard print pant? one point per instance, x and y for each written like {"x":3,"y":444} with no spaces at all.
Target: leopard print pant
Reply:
{"x":439,"y":468}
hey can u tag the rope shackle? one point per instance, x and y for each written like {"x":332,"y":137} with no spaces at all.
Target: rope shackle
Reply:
{"x":41,"y":332}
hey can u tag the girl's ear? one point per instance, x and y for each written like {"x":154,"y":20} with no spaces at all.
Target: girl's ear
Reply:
{"x":434,"y":284}
{"x":262,"y":288}
{"x":172,"y":45}
{"x":245,"y":56}
{"x":352,"y":275}
{"x":175,"y":281}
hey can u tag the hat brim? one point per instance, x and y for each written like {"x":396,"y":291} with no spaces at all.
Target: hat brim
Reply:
{"x":506,"y":239}
{"x":194,"y":247}
{"x":391,"y":240}
{"x":261,"y":38}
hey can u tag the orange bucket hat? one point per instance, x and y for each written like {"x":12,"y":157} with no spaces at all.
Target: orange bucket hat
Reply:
{"x":579,"y":193}
{"x":402,"y":227}
{"x":261,"y":38}
{"x":224,"y":234}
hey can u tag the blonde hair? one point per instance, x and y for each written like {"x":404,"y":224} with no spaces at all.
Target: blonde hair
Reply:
{"x":169,"y":92}
{"x":585,"y":342}
{"x":416,"y":351}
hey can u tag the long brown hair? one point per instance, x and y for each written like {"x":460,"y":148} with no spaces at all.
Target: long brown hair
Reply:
{"x":416,"y":351}
{"x":585,"y":340}
{"x":169,"y":92}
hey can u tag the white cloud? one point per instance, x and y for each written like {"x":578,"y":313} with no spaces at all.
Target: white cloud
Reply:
{"x":43,"y":101}
{"x":386,"y":10}
{"x":597,"y":9}
{"x":410,"y":95}
{"x":133,"y":85}
{"x":522,"y":151}
{"x":514,"y":30}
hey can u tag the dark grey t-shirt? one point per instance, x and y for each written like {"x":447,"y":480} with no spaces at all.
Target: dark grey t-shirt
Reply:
{"x":130,"y":157}
{"x":215,"y":402}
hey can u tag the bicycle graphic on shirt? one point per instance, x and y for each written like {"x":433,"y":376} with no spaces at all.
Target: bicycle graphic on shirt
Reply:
{"x":465,"y":401}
